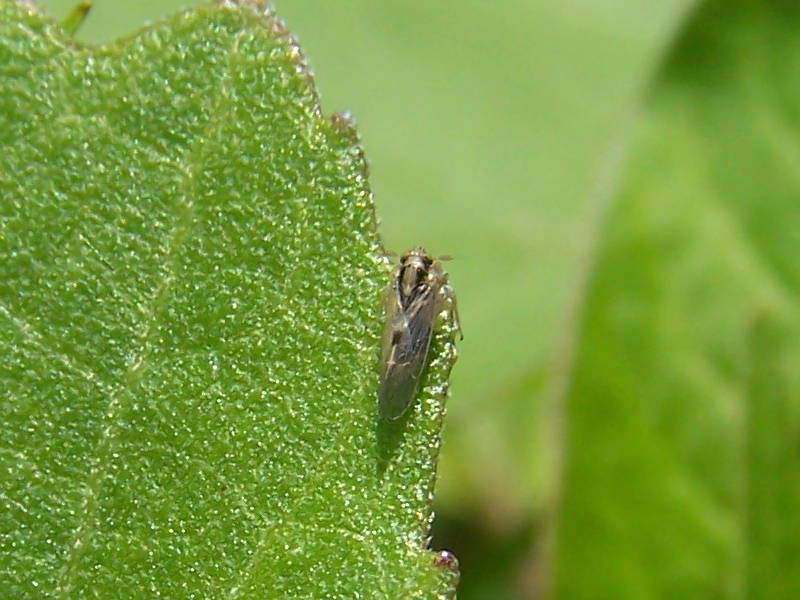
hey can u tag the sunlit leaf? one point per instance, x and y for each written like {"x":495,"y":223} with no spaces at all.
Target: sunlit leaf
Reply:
{"x":189,"y":318}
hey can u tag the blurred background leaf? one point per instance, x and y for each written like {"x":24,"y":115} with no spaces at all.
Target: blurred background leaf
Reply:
{"x":617,"y":183}
{"x":682,"y":477}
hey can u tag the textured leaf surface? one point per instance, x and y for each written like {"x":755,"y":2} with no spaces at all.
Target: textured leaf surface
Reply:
{"x":189,"y":319}
{"x":682,"y":474}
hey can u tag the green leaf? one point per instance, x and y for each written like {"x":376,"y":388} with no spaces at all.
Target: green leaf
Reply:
{"x":190,"y":315}
{"x":682,"y":477}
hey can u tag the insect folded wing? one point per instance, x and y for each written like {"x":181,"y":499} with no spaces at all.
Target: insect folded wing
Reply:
{"x":413,"y":303}
{"x":400,"y":377}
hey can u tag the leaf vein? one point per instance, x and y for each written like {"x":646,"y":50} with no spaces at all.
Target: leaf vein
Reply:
{"x":190,"y":167}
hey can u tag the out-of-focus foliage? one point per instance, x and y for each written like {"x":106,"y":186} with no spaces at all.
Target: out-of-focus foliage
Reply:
{"x":682,"y":472}
{"x":616,"y":180}
{"x":190,"y":284}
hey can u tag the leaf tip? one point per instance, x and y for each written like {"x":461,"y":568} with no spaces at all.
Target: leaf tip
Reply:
{"x":446,"y":562}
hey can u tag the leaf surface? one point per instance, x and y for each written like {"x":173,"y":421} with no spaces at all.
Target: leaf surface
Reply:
{"x":190,"y":313}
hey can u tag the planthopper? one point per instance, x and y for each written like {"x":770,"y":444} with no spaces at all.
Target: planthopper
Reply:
{"x":416,"y":297}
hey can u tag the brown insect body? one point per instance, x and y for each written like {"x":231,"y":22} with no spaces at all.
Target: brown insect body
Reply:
{"x":414,"y":300}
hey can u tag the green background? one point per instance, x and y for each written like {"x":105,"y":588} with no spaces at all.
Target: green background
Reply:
{"x":617,"y":181}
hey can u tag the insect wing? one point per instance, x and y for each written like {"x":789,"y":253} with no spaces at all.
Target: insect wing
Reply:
{"x":405,"y":354}
{"x":395,"y":322}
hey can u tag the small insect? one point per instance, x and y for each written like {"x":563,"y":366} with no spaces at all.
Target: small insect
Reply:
{"x":417,"y":295}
